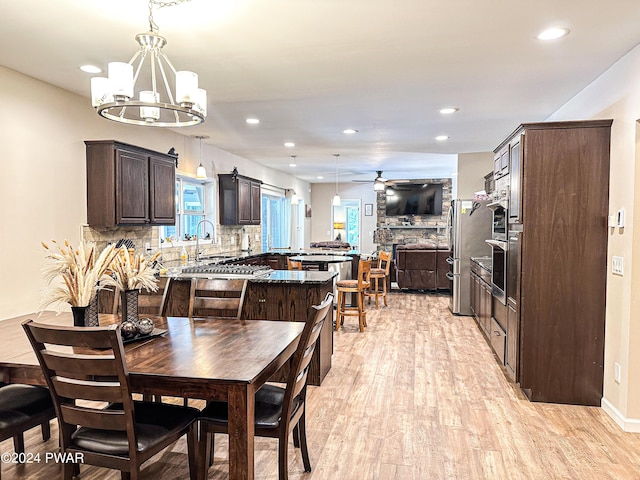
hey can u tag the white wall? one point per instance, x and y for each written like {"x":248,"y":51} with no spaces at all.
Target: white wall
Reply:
{"x":472,"y":167}
{"x":616,"y":94}
{"x":321,"y":196}
{"x":43,"y":187}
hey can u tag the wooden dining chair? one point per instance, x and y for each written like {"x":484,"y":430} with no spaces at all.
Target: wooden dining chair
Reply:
{"x":294,"y":264}
{"x":278,"y":411}
{"x":377,"y":275}
{"x":23,"y":407}
{"x":357,"y":287}
{"x":154,"y":303}
{"x":85,"y":369}
{"x":217,"y":297}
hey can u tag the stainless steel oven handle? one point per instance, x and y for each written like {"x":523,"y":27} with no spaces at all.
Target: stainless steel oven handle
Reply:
{"x":498,"y":243}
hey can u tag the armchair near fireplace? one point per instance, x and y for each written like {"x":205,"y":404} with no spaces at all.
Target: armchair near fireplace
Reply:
{"x":422,"y":266}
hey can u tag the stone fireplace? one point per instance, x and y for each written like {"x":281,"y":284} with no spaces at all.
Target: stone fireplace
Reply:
{"x":397,"y":230}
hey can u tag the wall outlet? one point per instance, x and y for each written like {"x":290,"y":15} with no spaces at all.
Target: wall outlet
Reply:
{"x":616,"y":372}
{"x":257,"y":237}
{"x":233,"y":240}
{"x":617,"y":266}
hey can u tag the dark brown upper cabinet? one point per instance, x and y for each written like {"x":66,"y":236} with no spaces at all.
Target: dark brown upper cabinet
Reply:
{"x":129,"y":185}
{"x":240,"y":200}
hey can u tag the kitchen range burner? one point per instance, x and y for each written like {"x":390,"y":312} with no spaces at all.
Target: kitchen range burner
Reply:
{"x":227,"y":271}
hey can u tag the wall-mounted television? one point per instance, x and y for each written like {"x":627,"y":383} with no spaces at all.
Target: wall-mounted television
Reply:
{"x":414,"y":199}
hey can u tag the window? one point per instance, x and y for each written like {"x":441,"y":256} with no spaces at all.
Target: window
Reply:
{"x":191,"y":209}
{"x":276,"y":221}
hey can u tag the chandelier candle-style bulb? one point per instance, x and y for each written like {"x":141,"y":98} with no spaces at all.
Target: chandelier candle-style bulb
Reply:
{"x":100,"y":91}
{"x":186,"y":88}
{"x":121,"y":80}
{"x":149,"y":114}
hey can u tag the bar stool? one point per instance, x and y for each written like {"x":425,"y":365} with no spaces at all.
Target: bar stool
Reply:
{"x":357,"y":287}
{"x":293,"y":264}
{"x":379,"y":273}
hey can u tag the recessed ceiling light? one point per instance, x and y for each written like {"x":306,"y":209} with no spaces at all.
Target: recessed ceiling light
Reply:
{"x":350,"y":131}
{"x":448,"y":110}
{"x":292,"y":164}
{"x":442,"y":138}
{"x":90,"y":69}
{"x":252,"y":121}
{"x":289,"y":144}
{"x":553,"y":33}
{"x":319,"y":177}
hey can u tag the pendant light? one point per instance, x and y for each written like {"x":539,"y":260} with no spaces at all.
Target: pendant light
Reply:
{"x":336,"y":198}
{"x":294,"y":196}
{"x":201,"y":172}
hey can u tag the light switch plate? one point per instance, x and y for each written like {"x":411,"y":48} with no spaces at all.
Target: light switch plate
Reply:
{"x":617,"y":265}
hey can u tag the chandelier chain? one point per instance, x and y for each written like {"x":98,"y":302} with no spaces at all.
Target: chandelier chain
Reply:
{"x":152,"y":25}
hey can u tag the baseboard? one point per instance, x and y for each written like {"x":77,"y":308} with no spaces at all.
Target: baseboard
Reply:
{"x":631,"y":425}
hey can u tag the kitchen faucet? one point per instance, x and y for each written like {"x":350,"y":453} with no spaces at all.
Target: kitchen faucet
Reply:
{"x":198,"y":236}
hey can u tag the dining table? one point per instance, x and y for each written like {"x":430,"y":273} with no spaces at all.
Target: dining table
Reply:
{"x":209,"y":359}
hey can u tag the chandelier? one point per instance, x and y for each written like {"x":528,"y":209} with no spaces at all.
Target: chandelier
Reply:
{"x":156,"y":106}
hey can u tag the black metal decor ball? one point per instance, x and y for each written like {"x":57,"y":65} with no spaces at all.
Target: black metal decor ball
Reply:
{"x":145,"y":326}
{"x":129,"y":330}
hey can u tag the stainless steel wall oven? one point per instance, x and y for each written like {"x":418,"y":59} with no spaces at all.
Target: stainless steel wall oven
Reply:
{"x":499,"y":254}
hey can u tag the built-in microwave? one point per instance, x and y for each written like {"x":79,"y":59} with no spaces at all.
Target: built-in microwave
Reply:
{"x":500,"y":220}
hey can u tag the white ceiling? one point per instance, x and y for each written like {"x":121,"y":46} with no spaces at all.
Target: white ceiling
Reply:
{"x":310,"y":68}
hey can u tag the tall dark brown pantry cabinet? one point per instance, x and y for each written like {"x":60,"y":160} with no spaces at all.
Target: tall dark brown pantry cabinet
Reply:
{"x":560,"y":231}
{"x":129,"y":185}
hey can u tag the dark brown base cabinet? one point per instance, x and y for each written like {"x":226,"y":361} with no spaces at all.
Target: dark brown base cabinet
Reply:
{"x":555,"y":320}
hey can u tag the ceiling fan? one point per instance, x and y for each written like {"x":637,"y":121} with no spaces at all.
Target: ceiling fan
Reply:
{"x":378,"y":179}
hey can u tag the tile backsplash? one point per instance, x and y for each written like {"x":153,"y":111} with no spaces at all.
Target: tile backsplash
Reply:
{"x":228,"y":237}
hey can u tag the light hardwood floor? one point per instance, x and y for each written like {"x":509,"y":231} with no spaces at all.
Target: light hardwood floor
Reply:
{"x":417,"y":396}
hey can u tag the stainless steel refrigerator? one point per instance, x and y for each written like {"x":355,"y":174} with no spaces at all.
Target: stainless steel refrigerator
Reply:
{"x":469,"y":225}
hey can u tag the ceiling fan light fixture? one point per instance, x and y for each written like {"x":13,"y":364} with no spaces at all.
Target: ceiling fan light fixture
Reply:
{"x":114,"y":99}
{"x":379,"y":182}
{"x":448,"y":110}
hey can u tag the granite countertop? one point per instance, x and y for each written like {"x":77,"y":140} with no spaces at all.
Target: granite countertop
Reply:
{"x":484,"y":262}
{"x":295,"y":276}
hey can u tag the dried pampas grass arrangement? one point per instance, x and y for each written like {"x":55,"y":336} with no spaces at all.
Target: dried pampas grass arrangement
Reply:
{"x":80,"y":270}
{"x":130,"y":271}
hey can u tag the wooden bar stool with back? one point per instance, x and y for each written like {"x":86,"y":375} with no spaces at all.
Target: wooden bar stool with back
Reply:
{"x":356,"y":287}
{"x":379,"y":274}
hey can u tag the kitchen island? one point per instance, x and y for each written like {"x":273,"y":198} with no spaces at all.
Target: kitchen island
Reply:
{"x":283,"y":295}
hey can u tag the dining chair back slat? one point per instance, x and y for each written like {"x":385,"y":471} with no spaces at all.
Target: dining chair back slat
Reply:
{"x":88,"y":390}
{"x":79,"y":364}
{"x":93,"y":418}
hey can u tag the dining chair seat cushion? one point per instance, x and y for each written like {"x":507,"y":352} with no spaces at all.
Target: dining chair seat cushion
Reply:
{"x":153,"y":420}
{"x":19,"y":402}
{"x":268,"y":408}
{"x":378,"y":272}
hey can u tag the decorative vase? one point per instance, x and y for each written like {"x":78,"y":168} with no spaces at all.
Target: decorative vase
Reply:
{"x":79,"y":316}
{"x":129,"y":305}
{"x":91,"y":315}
